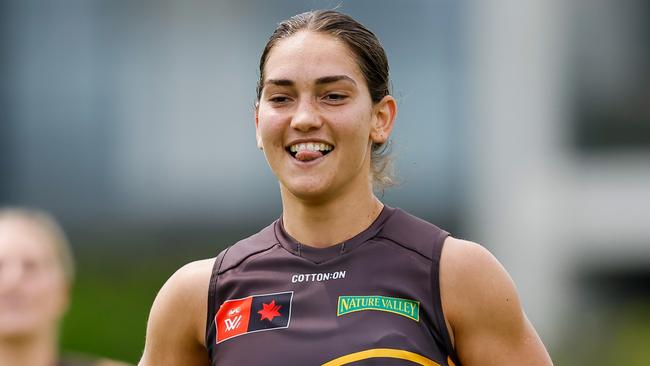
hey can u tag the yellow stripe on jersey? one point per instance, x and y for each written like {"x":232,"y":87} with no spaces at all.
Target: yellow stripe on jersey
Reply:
{"x":381,"y":353}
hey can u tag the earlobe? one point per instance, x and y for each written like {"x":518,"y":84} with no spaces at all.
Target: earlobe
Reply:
{"x":257,"y":130}
{"x":384,"y":119}
{"x":259,"y":142}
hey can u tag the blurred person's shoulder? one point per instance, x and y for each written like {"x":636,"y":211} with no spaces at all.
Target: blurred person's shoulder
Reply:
{"x":76,"y":359}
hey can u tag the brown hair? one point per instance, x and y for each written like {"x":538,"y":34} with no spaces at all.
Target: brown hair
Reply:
{"x":370,"y":57}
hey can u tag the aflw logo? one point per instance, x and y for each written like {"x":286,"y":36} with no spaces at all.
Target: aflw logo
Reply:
{"x":255,"y":313}
{"x":232,"y":324}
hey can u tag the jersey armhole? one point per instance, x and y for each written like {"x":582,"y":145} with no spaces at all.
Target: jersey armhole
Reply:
{"x":437,"y":298}
{"x":210,"y":327}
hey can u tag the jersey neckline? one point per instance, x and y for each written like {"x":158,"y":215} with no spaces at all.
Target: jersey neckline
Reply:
{"x":320,"y":255}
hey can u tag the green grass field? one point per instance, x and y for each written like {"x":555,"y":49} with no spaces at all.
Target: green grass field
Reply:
{"x":113,"y":292}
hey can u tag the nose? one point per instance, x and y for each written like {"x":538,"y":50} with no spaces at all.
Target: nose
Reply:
{"x":307,"y":116}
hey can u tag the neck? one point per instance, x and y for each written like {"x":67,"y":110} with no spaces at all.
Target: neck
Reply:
{"x":326,"y":223}
{"x":32,"y":350}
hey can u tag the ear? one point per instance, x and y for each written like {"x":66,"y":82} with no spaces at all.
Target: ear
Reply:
{"x":384,"y":114}
{"x":258,"y":137}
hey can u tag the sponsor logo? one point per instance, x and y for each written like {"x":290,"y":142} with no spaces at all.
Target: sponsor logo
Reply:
{"x":317,"y":277}
{"x":404,"y":307}
{"x":253,"y":314}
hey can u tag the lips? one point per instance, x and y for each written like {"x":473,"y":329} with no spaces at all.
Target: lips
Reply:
{"x":309,"y":150}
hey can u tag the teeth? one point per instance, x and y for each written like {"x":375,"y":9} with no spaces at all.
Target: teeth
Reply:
{"x":310,"y":146}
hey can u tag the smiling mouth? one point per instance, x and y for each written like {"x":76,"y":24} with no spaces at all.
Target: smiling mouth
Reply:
{"x":308,"y":151}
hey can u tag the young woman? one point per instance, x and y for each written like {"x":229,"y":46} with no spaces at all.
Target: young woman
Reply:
{"x":339,"y":278}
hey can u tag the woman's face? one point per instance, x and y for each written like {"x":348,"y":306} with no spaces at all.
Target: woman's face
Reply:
{"x":33,"y":288}
{"x":316,"y":120}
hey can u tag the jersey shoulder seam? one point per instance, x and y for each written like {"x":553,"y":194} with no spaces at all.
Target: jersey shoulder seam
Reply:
{"x":260,"y":242}
{"x":413,"y":233}
{"x":404,"y":246}
{"x":243,"y":259}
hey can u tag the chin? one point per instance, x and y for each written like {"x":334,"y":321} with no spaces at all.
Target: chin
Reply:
{"x":16,"y":324}
{"x":308,"y":189}
{"x":18,"y":328}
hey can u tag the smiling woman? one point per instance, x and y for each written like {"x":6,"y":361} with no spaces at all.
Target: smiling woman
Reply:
{"x":405,"y":289}
{"x":302,"y":107}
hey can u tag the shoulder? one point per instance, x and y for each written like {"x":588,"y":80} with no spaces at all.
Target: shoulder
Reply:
{"x":192,"y":276}
{"x":107,"y":362}
{"x":186,"y":288}
{"x":463,"y":261}
{"x":176,"y":325}
{"x":472,"y":280}
{"x":483,"y":309}
{"x":186,"y":281}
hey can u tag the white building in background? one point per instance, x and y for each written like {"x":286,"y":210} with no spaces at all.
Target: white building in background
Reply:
{"x":548,"y":208}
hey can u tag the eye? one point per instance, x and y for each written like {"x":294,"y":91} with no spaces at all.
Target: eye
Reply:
{"x":279,"y":99}
{"x":335,"y":97}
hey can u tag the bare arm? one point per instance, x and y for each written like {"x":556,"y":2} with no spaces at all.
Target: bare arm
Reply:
{"x":176,"y":327}
{"x":483,"y":310}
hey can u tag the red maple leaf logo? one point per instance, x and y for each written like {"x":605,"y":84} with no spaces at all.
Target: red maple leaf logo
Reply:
{"x":269,"y":311}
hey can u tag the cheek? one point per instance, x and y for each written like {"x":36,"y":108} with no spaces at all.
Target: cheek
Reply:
{"x":53,"y":297}
{"x":270,"y":127}
{"x":40,"y":300}
{"x":353,"y":128}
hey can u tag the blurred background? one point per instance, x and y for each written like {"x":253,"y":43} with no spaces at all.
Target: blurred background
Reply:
{"x":523,"y":125}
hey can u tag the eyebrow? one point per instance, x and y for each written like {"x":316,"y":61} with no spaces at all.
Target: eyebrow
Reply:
{"x":333,"y":79}
{"x":319,"y":81}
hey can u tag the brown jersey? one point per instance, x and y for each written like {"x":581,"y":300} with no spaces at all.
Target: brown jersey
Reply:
{"x":371,"y":300}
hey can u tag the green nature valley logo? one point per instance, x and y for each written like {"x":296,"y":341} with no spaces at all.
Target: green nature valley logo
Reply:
{"x":404,"y":307}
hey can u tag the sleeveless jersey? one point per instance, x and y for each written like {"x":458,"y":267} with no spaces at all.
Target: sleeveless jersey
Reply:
{"x":371,"y":300}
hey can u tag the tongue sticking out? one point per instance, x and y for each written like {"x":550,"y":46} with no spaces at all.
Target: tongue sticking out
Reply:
{"x":307,"y":155}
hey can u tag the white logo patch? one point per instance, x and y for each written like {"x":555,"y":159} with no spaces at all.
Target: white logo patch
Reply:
{"x":317,"y":277}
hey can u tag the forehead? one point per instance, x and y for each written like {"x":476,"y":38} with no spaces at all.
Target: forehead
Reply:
{"x":310,"y":55}
{"x":21,"y":239}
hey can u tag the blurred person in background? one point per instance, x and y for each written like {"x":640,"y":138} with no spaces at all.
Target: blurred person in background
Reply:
{"x":340,"y":277}
{"x":36,"y":276}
